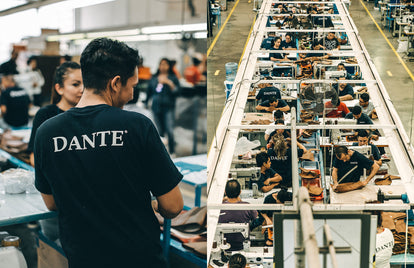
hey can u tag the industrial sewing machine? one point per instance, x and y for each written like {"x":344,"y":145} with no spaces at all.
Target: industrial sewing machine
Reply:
{"x":334,"y":74}
{"x":246,"y":176}
{"x":259,"y":256}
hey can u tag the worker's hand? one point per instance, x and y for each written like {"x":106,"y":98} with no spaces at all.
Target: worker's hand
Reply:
{"x":374,"y":137}
{"x":269,"y":222}
{"x":334,"y":186}
{"x":163,"y":79}
{"x":365,"y":182}
{"x":154,"y":204}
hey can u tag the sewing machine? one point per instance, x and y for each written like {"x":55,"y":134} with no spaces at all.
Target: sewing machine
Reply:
{"x":334,"y":74}
{"x":246,"y":176}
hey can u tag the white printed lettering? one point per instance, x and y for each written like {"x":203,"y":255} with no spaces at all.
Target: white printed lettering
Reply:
{"x":74,"y":142}
{"x":116,"y":137}
{"x":102,"y":133}
{"x":64,"y":143}
{"x":85,"y":139}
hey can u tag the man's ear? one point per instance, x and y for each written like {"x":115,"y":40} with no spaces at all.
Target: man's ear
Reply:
{"x":115,"y":83}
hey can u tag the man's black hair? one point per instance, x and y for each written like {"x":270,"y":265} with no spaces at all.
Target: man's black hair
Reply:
{"x":196,"y":61}
{"x":365,"y":97}
{"x":30,"y":59}
{"x":67,"y":57}
{"x":338,"y":151}
{"x":273,"y":99}
{"x":341,"y":64}
{"x":279,"y":121}
{"x":103,"y":59}
{"x":278,"y":114}
{"x":356,"y":110}
{"x":289,"y":34}
{"x":261,"y":159}
{"x":283,"y":195}
{"x":363,"y":133}
{"x":237,"y":261}
{"x":232,"y":189}
{"x":335,"y":101}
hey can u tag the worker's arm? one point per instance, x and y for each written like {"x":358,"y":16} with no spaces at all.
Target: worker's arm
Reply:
{"x":374,"y":170}
{"x":49,"y":201}
{"x":261,"y":108}
{"x":171,"y":203}
{"x":346,"y":97}
{"x":284,"y":109}
{"x":267,"y":219}
{"x":32,"y":159}
{"x":335,"y":178}
{"x":3,"y":109}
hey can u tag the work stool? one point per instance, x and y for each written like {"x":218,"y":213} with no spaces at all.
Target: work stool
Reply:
{"x":216,"y":11}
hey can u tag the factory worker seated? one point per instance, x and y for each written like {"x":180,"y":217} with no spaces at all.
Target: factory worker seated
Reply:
{"x":276,"y":56}
{"x":268,"y":91}
{"x":336,"y":108}
{"x":356,"y":113}
{"x":348,"y":167}
{"x":341,"y":67}
{"x":266,"y":217}
{"x":281,"y":158}
{"x":272,"y":105}
{"x":364,"y":139}
{"x":269,"y":179}
{"x":345,"y":91}
{"x":268,"y":42}
{"x":288,"y":43}
{"x":277,"y":115}
{"x":367,"y":106}
{"x":233,"y":191}
{"x":284,"y":132}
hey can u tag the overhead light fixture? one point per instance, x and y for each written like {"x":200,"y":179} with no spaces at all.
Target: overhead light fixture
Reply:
{"x":113,"y":33}
{"x":65,"y":37}
{"x":174,"y":28}
{"x":72,"y":4}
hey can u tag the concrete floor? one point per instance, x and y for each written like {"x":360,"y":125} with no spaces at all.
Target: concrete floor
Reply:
{"x":229,"y":48}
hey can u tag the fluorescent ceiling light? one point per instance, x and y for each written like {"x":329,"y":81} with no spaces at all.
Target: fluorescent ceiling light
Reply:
{"x":72,"y":4}
{"x":63,"y":37}
{"x":174,"y":28}
{"x":133,"y":38}
{"x":113,"y":33}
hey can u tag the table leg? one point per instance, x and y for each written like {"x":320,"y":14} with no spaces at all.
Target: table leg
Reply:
{"x":197,"y":201}
{"x":167,"y":238}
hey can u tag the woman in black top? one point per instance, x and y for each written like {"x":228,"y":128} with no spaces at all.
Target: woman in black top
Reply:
{"x":277,"y":46}
{"x":163,"y":89}
{"x":66,"y":92}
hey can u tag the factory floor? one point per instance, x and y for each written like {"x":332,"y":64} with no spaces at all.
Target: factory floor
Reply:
{"x":227,"y":44}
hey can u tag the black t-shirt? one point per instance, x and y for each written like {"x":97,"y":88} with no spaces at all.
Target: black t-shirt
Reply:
{"x":357,"y":159}
{"x":17,"y":103}
{"x":280,"y":104}
{"x":362,"y":120}
{"x":329,"y":44}
{"x":276,"y":55}
{"x":291,"y":44}
{"x":269,"y":173}
{"x":101,"y":163}
{"x":348,"y":90}
{"x":374,"y":150}
{"x":269,"y":199}
{"x":42,"y":115}
{"x":268,"y":43}
{"x":283,"y":165}
{"x":268,"y":92}
{"x":163,"y":97}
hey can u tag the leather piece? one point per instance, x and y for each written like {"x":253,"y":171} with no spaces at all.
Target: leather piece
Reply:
{"x":200,"y":248}
{"x":308,"y":174}
{"x":348,"y":186}
{"x":383,"y":181}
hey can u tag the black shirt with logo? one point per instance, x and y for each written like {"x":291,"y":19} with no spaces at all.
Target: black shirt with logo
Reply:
{"x":357,"y":159}
{"x":267,"y":93}
{"x":283,"y":165}
{"x":101,"y":164}
{"x":17,"y":103}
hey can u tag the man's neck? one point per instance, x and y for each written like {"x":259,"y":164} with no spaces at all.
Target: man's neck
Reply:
{"x":89,"y":98}
{"x":263,"y":170}
{"x":234,"y":200}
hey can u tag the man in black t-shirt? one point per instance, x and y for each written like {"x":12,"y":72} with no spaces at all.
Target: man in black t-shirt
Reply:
{"x":364,"y":140}
{"x":348,"y":166}
{"x":268,"y":91}
{"x":97,"y":165}
{"x":330,"y":42}
{"x":269,"y":179}
{"x":273,"y":104}
{"x":14,"y":103}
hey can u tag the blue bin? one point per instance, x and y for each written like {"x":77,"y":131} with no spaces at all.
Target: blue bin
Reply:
{"x":231,"y":70}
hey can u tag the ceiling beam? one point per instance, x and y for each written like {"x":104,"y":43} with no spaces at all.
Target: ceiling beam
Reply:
{"x":27,"y":6}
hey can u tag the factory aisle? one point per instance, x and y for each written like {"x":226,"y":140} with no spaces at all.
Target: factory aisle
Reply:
{"x":230,"y":44}
{"x":227,"y":48}
{"x":397,"y":81}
